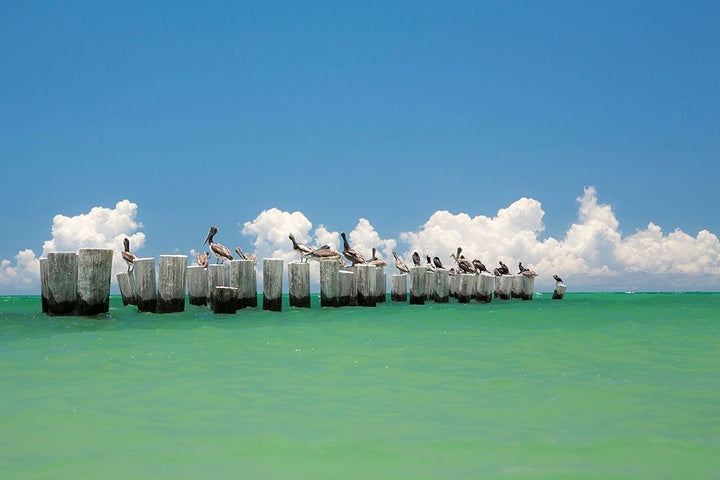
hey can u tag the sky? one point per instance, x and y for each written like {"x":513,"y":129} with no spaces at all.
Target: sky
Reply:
{"x":581,"y":138}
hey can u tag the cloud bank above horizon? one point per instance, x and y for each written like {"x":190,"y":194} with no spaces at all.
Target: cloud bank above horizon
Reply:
{"x":593,"y":255}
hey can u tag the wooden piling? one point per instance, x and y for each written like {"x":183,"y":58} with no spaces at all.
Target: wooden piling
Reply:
{"x":244,"y":278}
{"x":453,"y":285}
{"x":329,"y":283}
{"x":126,"y":283}
{"x":398,"y":287}
{"x":171,"y":283}
{"x":272,"y":284}
{"x":467,"y":287}
{"x":380,"y":285}
{"x":225,"y":300}
{"x":528,"y":284}
{"x":61,"y":272}
{"x":299,"y":284}
{"x":94,"y":273}
{"x":348,"y":288}
{"x":418,"y":285}
{"x":484,"y":287}
{"x":43,"y":284}
{"x":559,"y":291}
{"x":442,"y":286}
{"x":197,"y":285}
{"x":517,"y":286}
{"x":503,"y":287}
{"x":429,"y":285}
{"x":145,"y":287}
{"x":366,"y":278}
{"x":218,"y":276}
{"x":353,"y":298}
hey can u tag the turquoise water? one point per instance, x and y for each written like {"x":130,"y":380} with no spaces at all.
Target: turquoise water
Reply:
{"x":593,"y":386}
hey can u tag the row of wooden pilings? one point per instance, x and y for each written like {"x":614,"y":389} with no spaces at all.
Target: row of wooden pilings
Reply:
{"x":79,"y":284}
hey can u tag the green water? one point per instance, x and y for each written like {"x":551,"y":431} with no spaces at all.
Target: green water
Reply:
{"x":593,"y":386}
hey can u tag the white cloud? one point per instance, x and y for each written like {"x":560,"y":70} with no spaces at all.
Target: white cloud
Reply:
{"x":99,"y":228}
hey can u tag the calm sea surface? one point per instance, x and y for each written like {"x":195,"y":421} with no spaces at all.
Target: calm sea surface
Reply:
{"x":594,"y":386}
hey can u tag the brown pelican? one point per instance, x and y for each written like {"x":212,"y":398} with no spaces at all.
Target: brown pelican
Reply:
{"x":504,"y":270}
{"x":303,"y":250}
{"x":325,"y":253}
{"x":557,"y":279}
{"x":416,"y":259}
{"x":522,"y":269}
{"x":400,"y":265}
{"x":479,"y":266}
{"x":437,"y":263}
{"x":378,"y":262}
{"x":351,"y":254}
{"x":464,"y":265}
{"x":221,"y":252}
{"x":497,"y":272}
{"x":202,"y":259}
{"x":246,"y":256}
{"x":452,"y":271}
{"x":429,"y":265}
{"x":127,"y":255}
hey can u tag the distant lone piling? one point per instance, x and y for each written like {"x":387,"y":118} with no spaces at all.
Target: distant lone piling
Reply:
{"x":484,"y":287}
{"x":93,"y":281}
{"x":171,"y":283}
{"x":418,"y":285}
{"x":244,"y":277}
{"x":225,"y":300}
{"x":61,"y":277}
{"x":197,"y":285}
{"x":329,"y":283}
{"x":272,"y":284}
{"x":398,"y":287}
{"x":467,"y":286}
{"x":218,"y":276}
{"x":559,"y":291}
{"x":503,"y":287}
{"x":145,"y":287}
{"x":442,"y":286}
{"x":299,"y":284}
{"x":126,"y":283}
{"x":366,"y":278}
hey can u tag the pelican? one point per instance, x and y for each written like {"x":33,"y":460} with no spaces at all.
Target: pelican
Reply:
{"x":400,"y":265}
{"x":351,"y":254}
{"x":416,"y":259}
{"x":429,"y":265}
{"x":557,"y":279}
{"x":127,"y":255}
{"x":221,"y":252}
{"x":504,"y":270}
{"x":479,"y":266}
{"x":378,"y":262}
{"x":202,"y":259}
{"x":437,"y":263}
{"x":325,"y":253}
{"x":464,"y":265}
{"x":303,"y":250}
{"x":246,"y":256}
{"x":522,"y":269}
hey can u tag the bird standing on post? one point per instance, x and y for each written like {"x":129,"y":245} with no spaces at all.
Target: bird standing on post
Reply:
{"x":351,"y":254}
{"x":400,"y":265}
{"x":378,"y":262}
{"x":246,"y":256}
{"x":416,"y":259}
{"x":127,"y":255}
{"x":303,"y":250}
{"x":221,"y":252}
{"x":202,"y":259}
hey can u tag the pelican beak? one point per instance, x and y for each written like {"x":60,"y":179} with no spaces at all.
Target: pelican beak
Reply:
{"x":207,"y":238}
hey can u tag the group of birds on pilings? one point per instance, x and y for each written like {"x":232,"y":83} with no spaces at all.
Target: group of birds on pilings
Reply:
{"x":326,"y":252}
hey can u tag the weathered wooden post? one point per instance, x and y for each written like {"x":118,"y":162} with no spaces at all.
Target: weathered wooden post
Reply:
{"x":329,"y":283}
{"x":272,"y":284}
{"x":442,"y":286}
{"x":126,"y":283}
{"x":43,"y":284}
{"x":429,"y":285}
{"x":171,"y":283}
{"x":380,"y":287}
{"x":145,"y":286}
{"x":367,"y":291}
{"x":61,"y":272}
{"x":418,"y":285}
{"x":218,"y":276}
{"x":197,"y":285}
{"x":517,"y":286}
{"x":225,"y":300}
{"x":299,"y":281}
{"x":243,"y":276}
{"x":503,"y":287}
{"x":559,"y":291}
{"x":528,"y":284}
{"x":94,"y":273}
{"x":467,"y":286}
{"x":453,"y":285}
{"x":398,"y":292}
{"x":353,"y":299}
{"x":484,"y":287}
{"x":348,"y":288}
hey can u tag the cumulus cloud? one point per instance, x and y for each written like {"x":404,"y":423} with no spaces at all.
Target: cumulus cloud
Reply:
{"x":99,"y":228}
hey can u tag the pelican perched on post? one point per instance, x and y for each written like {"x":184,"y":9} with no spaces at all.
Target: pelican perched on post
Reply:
{"x":526,"y":271}
{"x":416,"y":259}
{"x":479,"y":266}
{"x":303,"y":250}
{"x":325,"y":253}
{"x":202,"y":259}
{"x":464,"y":265}
{"x":246,"y":256}
{"x":557,"y":279}
{"x":438,"y":263}
{"x":351,"y":254}
{"x":221,"y":252}
{"x":378,"y":262}
{"x":504,"y":270}
{"x":429,"y":265}
{"x":400,"y":265}
{"x":127,"y":255}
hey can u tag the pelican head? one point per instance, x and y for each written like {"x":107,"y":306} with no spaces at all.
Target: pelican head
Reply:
{"x":210,"y":235}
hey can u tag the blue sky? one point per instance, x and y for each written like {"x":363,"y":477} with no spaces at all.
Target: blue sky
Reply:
{"x":211,"y":113}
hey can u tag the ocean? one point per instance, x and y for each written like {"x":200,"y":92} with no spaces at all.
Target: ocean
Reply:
{"x":597,"y":385}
